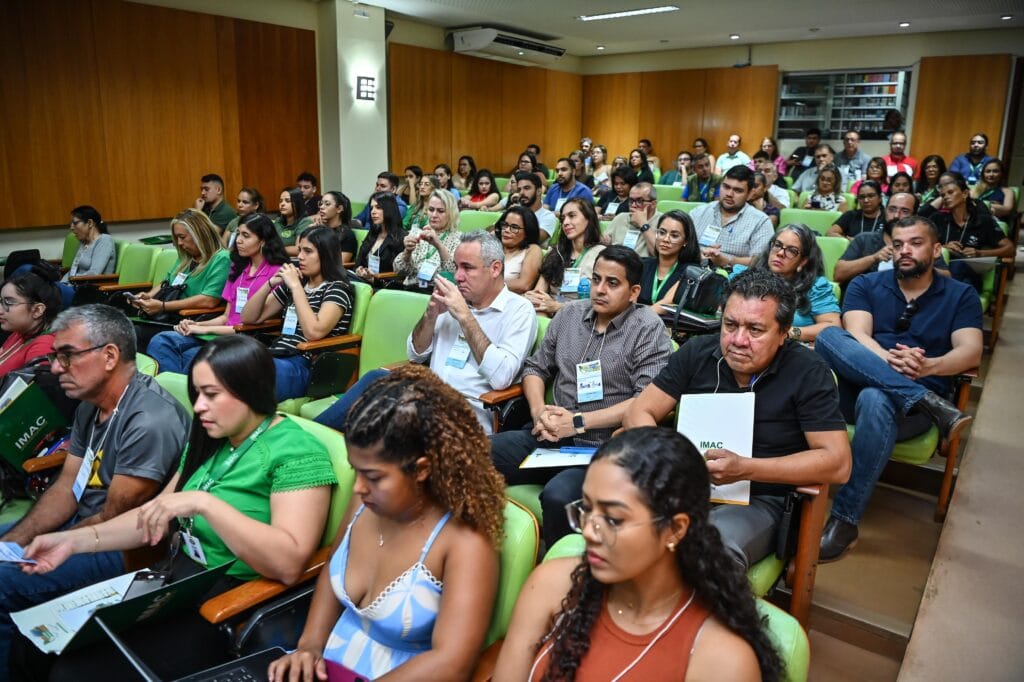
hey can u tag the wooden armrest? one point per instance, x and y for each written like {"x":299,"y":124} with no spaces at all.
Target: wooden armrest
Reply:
{"x":93,"y":279}
{"x":487,"y":662}
{"x":492,"y":398}
{"x":329,"y":342}
{"x":386,"y":275}
{"x":813,"y":490}
{"x":258,"y":326}
{"x":190,"y":312}
{"x":253,"y":593}
{"x":968,"y":374}
{"x":348,"y":264}
{"x":127,"y":286}
{"x":50,"y":461}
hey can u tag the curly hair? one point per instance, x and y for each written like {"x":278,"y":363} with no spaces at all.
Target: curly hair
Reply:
{"x":672,"y":478}
{"x":804,"y":278}
{"x":412,"y":413}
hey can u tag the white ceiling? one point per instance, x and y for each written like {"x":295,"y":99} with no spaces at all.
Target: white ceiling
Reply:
{"x":707,"y":23}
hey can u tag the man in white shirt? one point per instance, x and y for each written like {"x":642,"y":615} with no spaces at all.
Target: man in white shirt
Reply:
{"x":475,"y":333}
{"x":732,"y":156}
{"x":528,"y":190}
{"x":779,"y":196}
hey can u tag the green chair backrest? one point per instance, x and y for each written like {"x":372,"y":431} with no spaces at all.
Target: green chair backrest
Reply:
{"x":669,"y":192}
{"x":360,"y":306}
{"x":656,"y":172}
{"x":789,"y":181}
{"x":832,"y":249}
{"x":851,"y":201}
{"x":500,"y":181}
{"x":357,"y":207}
{"x":793,"y":199}
{"x":177,"y":385}
{"x":342,"y":492}
{"x":684,"y":206}
{"x":819,"y":221}
{"x":518,"y":557}
{"x":389,"y":321}
{"x":135,"y":262}
{"x":119,"y":248}
{"x":67,"y":256}
{"x":360,"y":236}
{"x":146,"y":365}
{"x":542,"y":329}
{"x":1004,"y":227}
{"x":477,"y":220}
{"x":162,"y":265}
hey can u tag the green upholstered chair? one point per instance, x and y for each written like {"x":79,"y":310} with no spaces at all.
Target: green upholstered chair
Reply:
{"x":477,"y":220}
{"x":832,"y":249}
{"x":161,"y":264}
{"x":794,"y":198}
{"x":69,"y":250}
{"x":357,"y":208}
{"x":819,"y":221}
{"x":789,"y":181}
{"x":134,"y":264}
{"x":670,"y":205}
{"x":669,"y":192}
{"x":656,"y":172}
{"x":360,"y":236}
{"x":518,"y":557}
{"x":146,"y":365}
{"x":177,"y":385}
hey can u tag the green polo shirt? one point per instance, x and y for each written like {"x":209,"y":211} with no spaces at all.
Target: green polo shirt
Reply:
{"x":221,"y":215}
{"x":289,"y":235}
{"x":210,"y":281}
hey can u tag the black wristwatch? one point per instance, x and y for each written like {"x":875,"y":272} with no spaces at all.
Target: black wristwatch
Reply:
{"x":644,"y":228}
{"x":577,"y":423}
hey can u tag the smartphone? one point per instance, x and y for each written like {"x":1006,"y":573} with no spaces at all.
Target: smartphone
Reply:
{"x":339,"y":673}
{"x":145,"y":582}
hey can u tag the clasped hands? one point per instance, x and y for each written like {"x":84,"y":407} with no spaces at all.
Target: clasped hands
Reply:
{"x":910,"y":362}
{"x":552,"y":423}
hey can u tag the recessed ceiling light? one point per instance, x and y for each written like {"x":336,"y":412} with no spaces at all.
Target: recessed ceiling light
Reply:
{"x":628,"y":13}
{"x":904,"y":24}
{"x":520,"y":53}
{"x":734,"y":36}
{"x":600,"y":47}
{"x":1006,"y":17}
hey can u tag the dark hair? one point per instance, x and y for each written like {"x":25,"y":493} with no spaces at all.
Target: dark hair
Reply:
{"x":900,"y":174}
{"x":273,"y":248}
{"x":872,"y":184}
{"x":474,"y":187}
{"x":447,"y":169}
{"x":245,"y":368}
{"x":626,"y":174}
{"x":38,"y":284}
{"x":531,"y":157}
{"x":344,"y":204}
{"x":628,"y":258}
{"x":921,"y":185}
{"x":298,"y":204}
{"x":982,"y":136}
{"x":328,"y":247}
{"x":530,"y":177}
{"x":472,"y":167}
{"x":85,"y":213}
{"x":257,"y":198}
{"x":912,"y":220}
{"x":690,"y":252}
{"x":775,"y":146}
{"x":531,"y":228}
{"x":804,"y":278}
{"x":760,"y":154}
{"x":533,"y":145}
{"x":571,"y":162}
{"x":702,"y":141}
{"x":552,"y":268}
{"x":213,"y":177}
{"x":671,"y":478}
{"x":644,"y":166}
{"x":742,"y":174}
{"x":998,"y":162}
{"x":394,"y":238}
{"x":837,"y":186}
{"x":393,"y":179}
{"x":973,"y":205}
{"x":306,"y":176}
{"x":880,"y":162}
{"x":643,"y":140}
{"x":813,"y":131}
{"x":416,"y":170}
{"x":761,"y":284}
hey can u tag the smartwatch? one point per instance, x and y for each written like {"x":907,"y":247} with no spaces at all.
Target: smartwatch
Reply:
{"x":645,"y":227}
{"x":577,"y":423}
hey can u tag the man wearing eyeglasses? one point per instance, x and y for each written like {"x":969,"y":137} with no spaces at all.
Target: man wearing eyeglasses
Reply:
{"x":852,"y":162}
{"x":637,"y":228}
{"x":907,"y":331}
{"x":897,"y":161}
{"x":126,"y":441}
{"x":824,"y":155}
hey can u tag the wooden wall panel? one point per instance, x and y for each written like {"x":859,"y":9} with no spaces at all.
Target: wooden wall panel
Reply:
{"x":611,"y":111}
{"x":956,"y":98}
{"x":563,"y":115}
{"x":420,"y":106}
{"x":521,"y":117}
{"x":739,"y":101}
{"x":478,"y":94}
{"x":673,"y":111}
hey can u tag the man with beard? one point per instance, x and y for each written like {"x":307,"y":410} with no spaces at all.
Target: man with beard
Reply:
{"x":565,"y":186}
{"x":528,"y":193}
{"x":971,"y":163}
{"x":730,"y":230}
{"x":906,"y":332}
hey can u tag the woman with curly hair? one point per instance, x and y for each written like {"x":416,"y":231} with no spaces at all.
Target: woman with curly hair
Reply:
{"x":656,"y":596}
{"x":413,"y":579}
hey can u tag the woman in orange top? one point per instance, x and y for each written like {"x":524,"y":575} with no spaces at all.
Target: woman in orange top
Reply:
{"x":656,"y":596}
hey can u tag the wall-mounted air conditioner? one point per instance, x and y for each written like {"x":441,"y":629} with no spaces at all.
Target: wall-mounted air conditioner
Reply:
{"x":490,"y":43}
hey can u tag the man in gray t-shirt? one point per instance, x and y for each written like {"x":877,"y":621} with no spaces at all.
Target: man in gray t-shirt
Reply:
{"x":126,"y":441}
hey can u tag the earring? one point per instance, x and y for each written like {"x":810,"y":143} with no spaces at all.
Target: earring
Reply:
{"x":672,"y":547}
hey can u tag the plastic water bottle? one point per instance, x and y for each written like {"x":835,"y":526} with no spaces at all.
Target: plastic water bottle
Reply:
{"x":583,"y":288}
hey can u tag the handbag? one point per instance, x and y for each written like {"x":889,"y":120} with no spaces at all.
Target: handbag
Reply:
{"x":167,"y":292}
{"x":704,"y":290}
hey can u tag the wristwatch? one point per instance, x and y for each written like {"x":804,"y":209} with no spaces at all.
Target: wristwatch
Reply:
{"x":645,"y":227}
{"x":795,"y":333}
{"x":577,"y":423}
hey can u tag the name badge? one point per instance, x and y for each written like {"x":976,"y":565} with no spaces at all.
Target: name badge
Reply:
{"x":558,"y":204}
{"x":808,"y":160}
{"x":291,"y":321}
{"x":632,"y":237}
{"x":885,"y":265}
{"x":709,"y":237}
{"x":231,"y":240}
{"x":570,"y":281}
{"x":589,"y":383}
{"x":82,"y":479}
{"x":677,"y":183}
{"x":613,"y":206}
{"x":241,"y":298}
{"x":179,"y":278}
{"x":459,"y":354}
{"x":426,"y":273}
{"x":193,"y":548}
{"x":373,"y":264}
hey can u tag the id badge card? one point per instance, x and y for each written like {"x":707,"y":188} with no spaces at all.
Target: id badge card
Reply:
{"x":82,"y":478}
{"x":180,"y":278}
{"x":291,"y":321}
{"x":589,"y":383}
{"x":613,"y":206}
{"x":570,"y":281}
{"x":426,"y":273}
{"x":459,"y":354}
{"x":885,"y":265}
{"x":632,"y":237}
{"x":808,"y":160}
{"x":558,"y":204}
{"x":193,"y":548}
{"x":373,"y":264}
{"x":241,"y":298}
{"x":709,"y":237}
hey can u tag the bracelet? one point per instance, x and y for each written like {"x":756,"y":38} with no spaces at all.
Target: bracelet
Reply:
{"x":97,"y":534}
{"x":163,"y":306}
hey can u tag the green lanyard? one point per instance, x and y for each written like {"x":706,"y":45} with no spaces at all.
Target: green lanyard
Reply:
{"x":576,"y":263}
{"x":211,"y":478}
{"x":659,"y":284}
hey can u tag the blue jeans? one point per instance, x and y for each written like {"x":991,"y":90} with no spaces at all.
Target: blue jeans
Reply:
{"x":173,"y":351}
{"x":20,"y":591}
{"x":292,"y":377}
{"x":335,"y":415}
{"x":883,"y":397}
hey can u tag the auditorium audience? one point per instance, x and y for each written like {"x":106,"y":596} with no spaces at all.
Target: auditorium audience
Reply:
{"x":96,"y":253}
{"x":482,"y":193}
{"x":519,"y":232}
{"x":733,"y":155}
{"x":335,"y":212}
{"x":617,"y":201}
{"x":465,"y":174}
{"x":293,"y":220}
{"x":571,"y":260}
{"x":527,"y":164}
{"x":828,"y":190}
{"x":852,"y":162}
{"x":867,"y":218}
{"x":29,"y":302}
{"x":897,"y":159}
{"x":416,"y":215}
{"x":580,"y":170}
{"x":770,"y":147}
{"x":307,"y":184}
{"x":385,"y":240}
{"x":647,"y":148}
{"x":778,"y":193}
{"x":444,"y":175}
{"x":971,"y":164}
{"x":675,"y":248}
{"x":900,"y":182}
{"x":759,"y":199}
{"x":926,"y":187}
{"x":824,"y":156}
{"x":211,"y":201}
{"x":702,"y":186}
{"x":729,"y":230}
{"x":802,"y":158}
{"x":529,"y":194}
{"x":636,"y":229}
{"x":410,"y":181}
{"x":430,"y":250}
{"x":639,"y":164}
{"x":600,"y":168}
{"x":680,"y":174}
{"x":249,"y":201}
{"x":991,"y":189}
{"x":539,"y":165}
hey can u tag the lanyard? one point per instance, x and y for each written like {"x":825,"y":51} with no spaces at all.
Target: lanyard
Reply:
{"x":576,"y":261}
{"x":211,"y":478}
{"x":110,"y":423}
{"x":703,"y":189}
{"x":874,"y":222}
{"x":659,"y":284}
{"x":600,"y":348}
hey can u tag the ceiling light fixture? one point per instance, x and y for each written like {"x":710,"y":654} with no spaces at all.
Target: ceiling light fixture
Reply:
{"x":904,"y":24}
{"x":600,"y":48}
{"x":734,"y":36}
{"x":1006,"y":17}
{"x":628,"y":13}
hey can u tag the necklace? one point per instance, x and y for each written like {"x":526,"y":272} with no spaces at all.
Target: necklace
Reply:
{"x":415,"y":522}
{"x":673,"y":598}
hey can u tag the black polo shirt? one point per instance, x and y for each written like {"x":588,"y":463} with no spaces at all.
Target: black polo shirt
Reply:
{"x":795,"y":394}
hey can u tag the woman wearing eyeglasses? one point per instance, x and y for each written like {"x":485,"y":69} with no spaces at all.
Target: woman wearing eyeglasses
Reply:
{"x":876,"y":171}
{"x":794,"y":254}
{"x":96,"y":254}
{"x":655,"y":596}
{"x":676,"y":245}
{"x":520,"y":237}
{"x":867,"y":218}
{"x":431,"y":250}
{"x":29,"y":301}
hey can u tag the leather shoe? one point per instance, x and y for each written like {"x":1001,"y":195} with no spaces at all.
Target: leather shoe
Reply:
{"x":838,"y":538}
{"x":946,"y":416}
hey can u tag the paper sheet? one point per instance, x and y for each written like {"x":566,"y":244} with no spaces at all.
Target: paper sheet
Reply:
{"x":725,"y":421}
{"x":14,"y":553}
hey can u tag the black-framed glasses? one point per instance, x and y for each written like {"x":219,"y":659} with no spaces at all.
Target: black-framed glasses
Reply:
{"x":639,"y":202}
{"x":509,"y":227}
{"x":903,"y":324}
{"x":64,"y":357}
{"x":786,"y":251}
{"x":607,"y":528}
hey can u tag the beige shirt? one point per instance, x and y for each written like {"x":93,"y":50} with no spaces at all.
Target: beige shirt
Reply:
{"x":621,"y":226}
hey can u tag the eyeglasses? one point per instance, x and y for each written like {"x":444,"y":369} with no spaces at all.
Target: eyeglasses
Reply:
{"x":509,"y":227}
{"x":787,"y":251}
{"x":671,"y":236}
{"x":639,"y":202}
{"x":74,"y":222}
{"x":902,"y":211}
{"x":64,"y":357}
{"x":607,"y":529}
{"x":8,"y":303}
{"x":903,"y":324}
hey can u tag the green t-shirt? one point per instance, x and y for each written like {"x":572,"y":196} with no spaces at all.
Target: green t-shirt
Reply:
{"x":284,"y":458}
{"x":233,"y":224}
{"x":209,"y":282}
{"x":221,"y":215}
{"x":289,"y":235}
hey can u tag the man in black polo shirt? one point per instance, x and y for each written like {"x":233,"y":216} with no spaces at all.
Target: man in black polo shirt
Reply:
{"x":799,"y":432}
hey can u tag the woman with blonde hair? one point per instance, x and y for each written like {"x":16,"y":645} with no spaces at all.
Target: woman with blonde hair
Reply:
{"x":430,"y":250}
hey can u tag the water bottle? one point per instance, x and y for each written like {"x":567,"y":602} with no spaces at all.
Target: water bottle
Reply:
{"x":583,"y":289}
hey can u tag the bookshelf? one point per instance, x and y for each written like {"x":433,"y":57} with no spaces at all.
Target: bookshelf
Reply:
{"x":839,"y":101}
